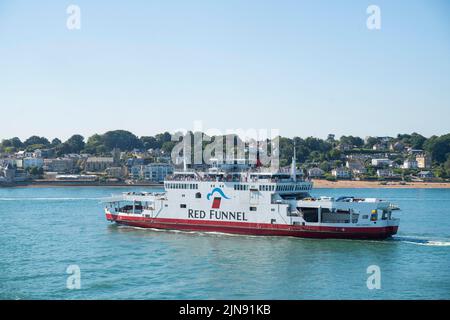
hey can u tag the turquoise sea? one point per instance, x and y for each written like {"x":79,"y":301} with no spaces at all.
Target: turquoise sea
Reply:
{"x":46,"y":230}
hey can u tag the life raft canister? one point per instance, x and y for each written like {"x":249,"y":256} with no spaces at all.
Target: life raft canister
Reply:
{"x":374,"y":215}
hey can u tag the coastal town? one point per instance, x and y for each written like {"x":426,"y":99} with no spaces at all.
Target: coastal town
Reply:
{"x":121,"y":158}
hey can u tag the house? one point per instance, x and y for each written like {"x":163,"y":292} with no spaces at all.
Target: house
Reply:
{"x":95,"y":164}
{"x":358,"y":156}
{"x":345,"y":147}
{"x":341,"y":173}
{"x":117,"y":172}
{"x":131,"y":162}
{"x":425,"y":174}
{"x":156,"y":172}
{"x":398,"y":146}
{"x":315,"y":173}
{"x":410,"y":164}
{"x":60,"y":165}
{"x":30,"y":162}
{"x":356,"y":166}
{"x":39,"y":153}
{"x":381,"y":162}
{"x":423,"y":161}
{"x":135,"y":172}
{"x":379,"y":146}
{"x":23,"y":154}
{"x":385,"y":173}
{"x":414,"y":151}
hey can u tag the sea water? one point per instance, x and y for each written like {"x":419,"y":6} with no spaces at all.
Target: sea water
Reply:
{"x":51,"y":235}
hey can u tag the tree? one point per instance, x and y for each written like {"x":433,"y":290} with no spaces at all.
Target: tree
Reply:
{"x":6,"y":143}
{"x":94,"y":144}
{"x":371,"y":141}
{"x":33,"y":147}
{"x":417,"y":141}
{"x":55,"y":142}
{"x":150,"y":143}
{"x":438,"y":147}
{"x":35,"y":170}
{"x":447,"y":166}
{"x":334,"y":154}
{"x":36,"y":140}
{"x":168,"y":146}
{"x":124,"y":140}
{"x":13,"y":142}
{"x":75,"y":143}
{"x":351,"y":140}
{"x":16,"y":143}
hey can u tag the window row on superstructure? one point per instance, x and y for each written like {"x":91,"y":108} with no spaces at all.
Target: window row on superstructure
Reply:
{"x":292,"y":187}
{"x":241,"y":187}
{"x":192,"y":186}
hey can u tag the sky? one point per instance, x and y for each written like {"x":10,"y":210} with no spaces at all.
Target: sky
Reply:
{"x":306,"y":68}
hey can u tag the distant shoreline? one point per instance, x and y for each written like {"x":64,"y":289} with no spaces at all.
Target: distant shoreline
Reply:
{"x":320,"y":183}
{"x":51,"y":184}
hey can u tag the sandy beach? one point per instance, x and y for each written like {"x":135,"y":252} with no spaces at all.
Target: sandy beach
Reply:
{"x":376,"y":184}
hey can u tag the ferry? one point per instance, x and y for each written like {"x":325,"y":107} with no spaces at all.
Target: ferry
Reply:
{"x":252,"y":202}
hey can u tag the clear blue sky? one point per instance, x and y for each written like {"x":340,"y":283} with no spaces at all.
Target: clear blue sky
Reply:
{"x":307,"y":68}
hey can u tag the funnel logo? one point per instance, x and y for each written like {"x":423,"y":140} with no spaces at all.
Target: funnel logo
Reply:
{"x":216,"y":200}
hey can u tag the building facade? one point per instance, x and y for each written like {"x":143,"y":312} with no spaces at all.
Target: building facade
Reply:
{"x":32,"y":162}
{"x":341,"y":173}
{"x":97,"y":164}
{"x":423,"y":161}
{"x":156,"y":172}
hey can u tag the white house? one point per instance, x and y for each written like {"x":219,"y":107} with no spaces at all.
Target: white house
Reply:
{"x":33,"y":162}
{"x":341,"y":173}
{"x":385,"y":173}
{"x":425,"y":174}
{"x":410,"y":164}
{"x":381,"y":162}
{"x":356,"y":166}
{"x":315,"y":173}
{"x":23,"y":154}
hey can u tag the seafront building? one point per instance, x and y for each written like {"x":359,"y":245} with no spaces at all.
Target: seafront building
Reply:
{"x":30,"y":162}
{"x":410,"y":164}
{"x":423,"y":161}
{"x":341,"y":173}
{"x":97,"y":164}
{"x":152,"y":165}
{"x":316,"y":173}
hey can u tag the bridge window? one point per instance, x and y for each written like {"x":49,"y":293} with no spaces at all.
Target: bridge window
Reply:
{"x":198,"y":195}
{"x":252,"y":208}
{"x":182,"y":205}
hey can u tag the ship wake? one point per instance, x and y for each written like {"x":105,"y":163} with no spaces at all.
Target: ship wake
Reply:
{"x":422,"y":241}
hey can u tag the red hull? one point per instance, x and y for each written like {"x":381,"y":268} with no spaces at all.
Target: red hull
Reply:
{"x":261,"y":229}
